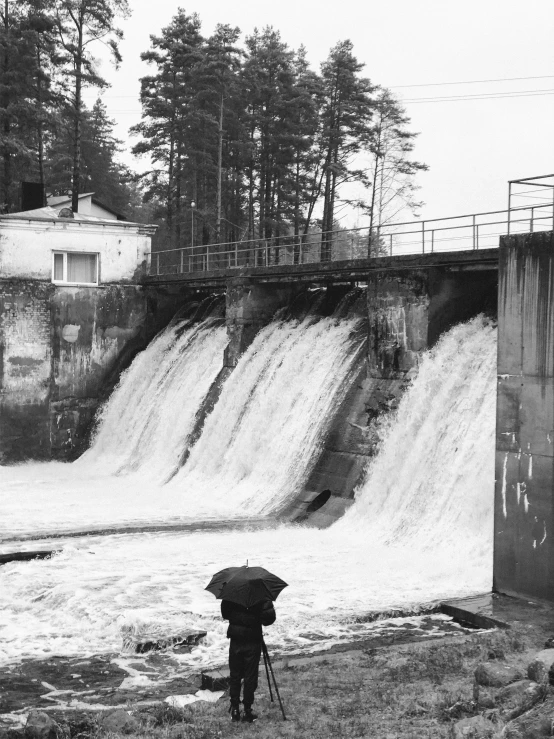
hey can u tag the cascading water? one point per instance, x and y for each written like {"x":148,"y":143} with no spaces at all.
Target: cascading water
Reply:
{"x":420,"y":530}
{"x":150,"y":416}
{"x":260,"y":442}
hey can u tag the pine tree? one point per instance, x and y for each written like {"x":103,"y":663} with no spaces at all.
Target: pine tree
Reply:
{"x":346,"y":113}
{"x":392,"y":171}
{"x":169,"y":103}
{"x":81,"y":23}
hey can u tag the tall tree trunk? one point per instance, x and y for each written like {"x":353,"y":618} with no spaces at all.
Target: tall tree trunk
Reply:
{"x":6,"y":207}
{"x":373,"y":191}
{"x":77,"y":124}
{"x":219,"y":172}
{"x":40,"y":132}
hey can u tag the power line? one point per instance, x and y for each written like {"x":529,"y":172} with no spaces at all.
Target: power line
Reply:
{"x":474,"y":82}
{"x":485,"y":96}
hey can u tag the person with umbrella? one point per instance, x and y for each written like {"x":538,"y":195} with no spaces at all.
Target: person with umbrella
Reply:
{"x":246,"y":595}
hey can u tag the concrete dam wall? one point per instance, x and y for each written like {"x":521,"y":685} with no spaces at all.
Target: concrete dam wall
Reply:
{"x":524,"y":525}
{"x":64,"y":349}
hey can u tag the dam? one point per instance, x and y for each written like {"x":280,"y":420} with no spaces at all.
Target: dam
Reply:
{"x":358,"y":397}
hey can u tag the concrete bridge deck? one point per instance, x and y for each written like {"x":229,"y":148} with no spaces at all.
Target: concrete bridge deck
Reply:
{"x":349,"y":270}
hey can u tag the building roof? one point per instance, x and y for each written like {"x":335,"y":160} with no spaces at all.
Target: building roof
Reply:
{"x":60,"y":200}
{"x":48,"y":213}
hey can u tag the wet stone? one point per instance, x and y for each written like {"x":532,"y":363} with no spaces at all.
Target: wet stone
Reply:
{"x":518,"y":697}
{"x":40,"y":726}
{"x":216,"y":679}
{"x":180,"y":642}
{"x":496,"y":675}
{"x":119,"y":722}
{"x":475,"y":727}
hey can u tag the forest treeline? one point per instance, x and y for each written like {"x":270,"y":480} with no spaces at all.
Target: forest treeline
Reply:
{"x":243,"y":140}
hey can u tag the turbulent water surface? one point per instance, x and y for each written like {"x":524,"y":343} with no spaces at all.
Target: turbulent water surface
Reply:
{"x":420,"y":529}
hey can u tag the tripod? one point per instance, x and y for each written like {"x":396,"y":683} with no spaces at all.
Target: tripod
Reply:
{"x":268,"y":669}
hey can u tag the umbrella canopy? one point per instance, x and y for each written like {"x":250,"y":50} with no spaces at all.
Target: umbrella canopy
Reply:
{"x":245,"y":585}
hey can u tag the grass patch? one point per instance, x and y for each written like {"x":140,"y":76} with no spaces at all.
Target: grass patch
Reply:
{"x":408,"y":692}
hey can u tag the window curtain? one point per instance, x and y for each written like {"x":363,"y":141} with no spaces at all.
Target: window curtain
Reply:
{"x":81,"y":268}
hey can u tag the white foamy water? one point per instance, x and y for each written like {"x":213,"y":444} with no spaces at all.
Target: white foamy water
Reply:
{"x":420,"y":530}
{"x":256,"y":449}
{"x":260,"y":442}
{"x":149,"y":417}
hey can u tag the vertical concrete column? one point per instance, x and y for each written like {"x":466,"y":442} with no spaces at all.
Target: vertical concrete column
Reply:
{"x":250,"y":305}
{"x":524,"y":530}
{"x":398,"y":315}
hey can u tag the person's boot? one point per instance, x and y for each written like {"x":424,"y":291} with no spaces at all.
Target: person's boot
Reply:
{"x":234,"y":710}
{"x":248,"y":716}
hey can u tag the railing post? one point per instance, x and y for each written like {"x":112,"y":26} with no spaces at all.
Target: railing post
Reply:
{"x":236,"y":254}
{"x":390,"y":245}
{"x":509,"y":205}
{"x":532,"y":219}
{"x":182,"y":259}
{"x":157,"y":264}
{"x":433,"y":240}
{"x":300,"y":249}
{"x":423,"y":237}
{"x":553,"y":208}
{"x":473,"y":233}
{"x":207,"y":257}
{"x":477,"y":236}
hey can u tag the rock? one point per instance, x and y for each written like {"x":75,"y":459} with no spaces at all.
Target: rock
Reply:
{"x":475,"y":727}
{"x":537,"y":671}
{"x":496,"y":675}
{"x":483,"y":697}
{"x":216,"y":679}
{"x":40,"y":726}
{"x":534,"y":724}
{"x":119,"y":722}
{"x":183,"y":641}
{"x":546,"y":657}
{"x":518,"y":697}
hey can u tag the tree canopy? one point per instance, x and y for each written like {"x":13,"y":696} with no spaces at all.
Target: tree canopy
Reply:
{"x":241,"y":140}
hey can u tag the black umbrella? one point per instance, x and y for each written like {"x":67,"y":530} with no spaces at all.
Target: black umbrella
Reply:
{"x":245,"y":585}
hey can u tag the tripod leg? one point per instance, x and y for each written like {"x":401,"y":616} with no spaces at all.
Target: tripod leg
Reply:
{"x":274,"y":680}
{"x":267,"y":673}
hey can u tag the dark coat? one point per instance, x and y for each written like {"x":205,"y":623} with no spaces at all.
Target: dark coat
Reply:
{"x":245,"y":624}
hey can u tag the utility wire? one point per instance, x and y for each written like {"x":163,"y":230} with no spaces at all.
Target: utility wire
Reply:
{"x":484,"y":96}
{"x":474,"y":82}
{"x":439,"y":99}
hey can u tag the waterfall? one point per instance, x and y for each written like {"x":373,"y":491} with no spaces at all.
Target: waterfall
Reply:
{"x":148,"y":419}
{"x":433,"y":477}
{"x":261,"y":440}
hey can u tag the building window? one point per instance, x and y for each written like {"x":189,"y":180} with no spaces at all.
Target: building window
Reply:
{"x":75,"y":268}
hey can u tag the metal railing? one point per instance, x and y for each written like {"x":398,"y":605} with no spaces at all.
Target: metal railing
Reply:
{"x":456,"y":233}
{"x":542,"y":194}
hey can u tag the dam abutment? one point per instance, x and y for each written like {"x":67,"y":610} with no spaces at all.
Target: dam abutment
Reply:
{"x":524,"y":501}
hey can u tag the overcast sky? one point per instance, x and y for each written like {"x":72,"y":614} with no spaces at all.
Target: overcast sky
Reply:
{"x":471,"y":146}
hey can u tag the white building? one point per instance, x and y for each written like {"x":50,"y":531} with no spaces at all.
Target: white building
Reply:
{"x":79,"y":250}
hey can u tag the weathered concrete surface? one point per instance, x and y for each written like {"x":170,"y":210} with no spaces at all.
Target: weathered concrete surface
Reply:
{"x":524,"y":525}
{"x":57,"y":347}
{"x":349,"y":270}
{"x":249,"y":307}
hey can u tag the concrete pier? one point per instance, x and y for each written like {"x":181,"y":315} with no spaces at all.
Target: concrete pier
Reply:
{"x":524,"y":503}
